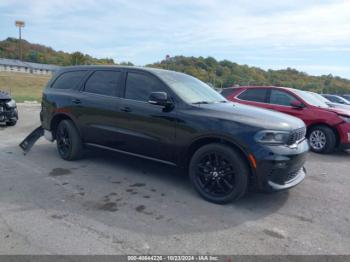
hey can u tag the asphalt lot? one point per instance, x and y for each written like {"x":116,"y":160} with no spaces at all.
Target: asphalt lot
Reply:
{"x":108,"y":203}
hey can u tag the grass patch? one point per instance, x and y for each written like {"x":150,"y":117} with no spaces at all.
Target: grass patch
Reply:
{"x":22,"y":86}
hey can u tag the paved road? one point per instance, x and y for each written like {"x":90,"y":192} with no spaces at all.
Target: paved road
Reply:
{"x":112,"y":204}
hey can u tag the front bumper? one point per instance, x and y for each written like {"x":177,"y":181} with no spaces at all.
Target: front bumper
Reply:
{"x":281,"y":167}
{"x":294,"y":179}
{"x":8,"y":114}
{"x":344,"y":135}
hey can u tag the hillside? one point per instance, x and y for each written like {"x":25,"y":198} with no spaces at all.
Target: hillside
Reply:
{"x":226,"y":73}
{"x":42,"y":54}
{"x":218,"y":73}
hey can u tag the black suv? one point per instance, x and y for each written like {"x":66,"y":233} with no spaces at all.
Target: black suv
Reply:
{"x":175,"y":119}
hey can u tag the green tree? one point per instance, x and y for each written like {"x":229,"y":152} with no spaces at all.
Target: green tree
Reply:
{"x":78,"y":58}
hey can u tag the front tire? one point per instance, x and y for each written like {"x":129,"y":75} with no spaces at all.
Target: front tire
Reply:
{"x":11,"y":123}
{"x":219,"y":173}
{"x":69,"y":142}
{"x":322,"y":139}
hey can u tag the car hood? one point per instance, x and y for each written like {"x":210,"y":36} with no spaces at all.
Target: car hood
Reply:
{"x":253,"y":116}
{"x":339,"y":110}
{"x":4,"y":96}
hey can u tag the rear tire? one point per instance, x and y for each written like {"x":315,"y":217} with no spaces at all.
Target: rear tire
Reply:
{"x":69,"y":142}
{"x":322,"y":139}
{"x":219,"y":173}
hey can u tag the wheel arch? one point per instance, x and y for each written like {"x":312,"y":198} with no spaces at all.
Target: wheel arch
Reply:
{"x":56,"y":119}
{"x":202,"y":141}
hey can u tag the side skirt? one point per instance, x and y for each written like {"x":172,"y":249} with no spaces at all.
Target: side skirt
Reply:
{"x":131,"y":154}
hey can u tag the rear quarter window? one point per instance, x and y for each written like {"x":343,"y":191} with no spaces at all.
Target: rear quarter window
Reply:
{"x":68,"y":80}
{"x":254,"y":95}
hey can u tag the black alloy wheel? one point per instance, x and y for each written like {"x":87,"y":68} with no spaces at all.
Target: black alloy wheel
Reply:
{"x":69,"y":144}
{"x":64,"y":144}
{"x":219,"y":173}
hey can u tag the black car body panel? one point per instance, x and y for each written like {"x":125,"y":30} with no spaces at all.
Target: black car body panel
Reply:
{"x":30,"y":140}
{"x":171,"y":134}
{"x":8,"y":114}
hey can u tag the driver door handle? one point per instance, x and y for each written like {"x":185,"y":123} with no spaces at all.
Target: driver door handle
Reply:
{"x":126,"y":109}
{"x":76,"y":101}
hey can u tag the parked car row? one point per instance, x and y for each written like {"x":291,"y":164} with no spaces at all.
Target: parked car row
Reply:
{"x":338,"y":99}
{"x":328,"y":123}
{"x":174,"y":119}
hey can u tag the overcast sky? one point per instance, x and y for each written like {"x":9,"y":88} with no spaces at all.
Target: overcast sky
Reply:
{"x":309,"y":35}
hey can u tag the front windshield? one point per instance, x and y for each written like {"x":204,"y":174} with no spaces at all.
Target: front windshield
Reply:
{"x":189,"y":88}
{"x":320,"y":97}
{"x":311,"y":99}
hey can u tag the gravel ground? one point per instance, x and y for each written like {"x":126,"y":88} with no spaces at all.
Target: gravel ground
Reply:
{"x":108,"y":203}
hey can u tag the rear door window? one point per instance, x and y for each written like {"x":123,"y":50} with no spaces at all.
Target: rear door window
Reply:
{"x":104,"y":82}
{"x":279,"y":97}
{"x":254,"y":95}
{"x":68,"y":80}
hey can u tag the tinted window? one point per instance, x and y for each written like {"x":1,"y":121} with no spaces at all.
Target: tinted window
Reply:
{"x":279,"y":97}
{"x":256,"y":95}
{"x":227,"y":92}
{"x":338,"y":99}
{"x":347,"y":97}
{"x":332,"y":99}
{"x":103,"y":83}
{"x":68,"y":80}
{"x":139,"y":87}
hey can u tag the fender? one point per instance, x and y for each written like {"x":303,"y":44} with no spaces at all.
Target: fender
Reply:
{"x":211,"y":137}
{"x":64,"y":113}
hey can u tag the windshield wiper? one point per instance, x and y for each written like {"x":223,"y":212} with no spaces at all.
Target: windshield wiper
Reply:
{"x":209,"y":102}
{"x":201,"y":102}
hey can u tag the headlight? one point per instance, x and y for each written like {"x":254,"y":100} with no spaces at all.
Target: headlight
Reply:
{"x":11,"y":103}
{"x":345,"y":118}
{"x":272,"y":137}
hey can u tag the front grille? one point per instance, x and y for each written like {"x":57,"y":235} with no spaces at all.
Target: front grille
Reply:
{"x":297,"y":135}
{"x":292,"y":175}
{"x":5,"y":112}
{"x":283,"y":178}
{"x":3,"y":105}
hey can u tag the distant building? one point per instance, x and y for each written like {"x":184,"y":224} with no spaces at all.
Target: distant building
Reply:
{"x":11,"y":65}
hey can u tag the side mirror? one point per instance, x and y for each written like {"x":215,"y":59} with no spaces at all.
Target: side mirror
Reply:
{"x":158,"y":98}
{"x":297,"y":104}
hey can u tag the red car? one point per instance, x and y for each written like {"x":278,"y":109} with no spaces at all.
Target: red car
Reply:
{"x":327,"y":128}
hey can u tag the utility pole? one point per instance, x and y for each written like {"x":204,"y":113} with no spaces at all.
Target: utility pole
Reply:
{"x":167,"y":60}
{"x":19,"y":24}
